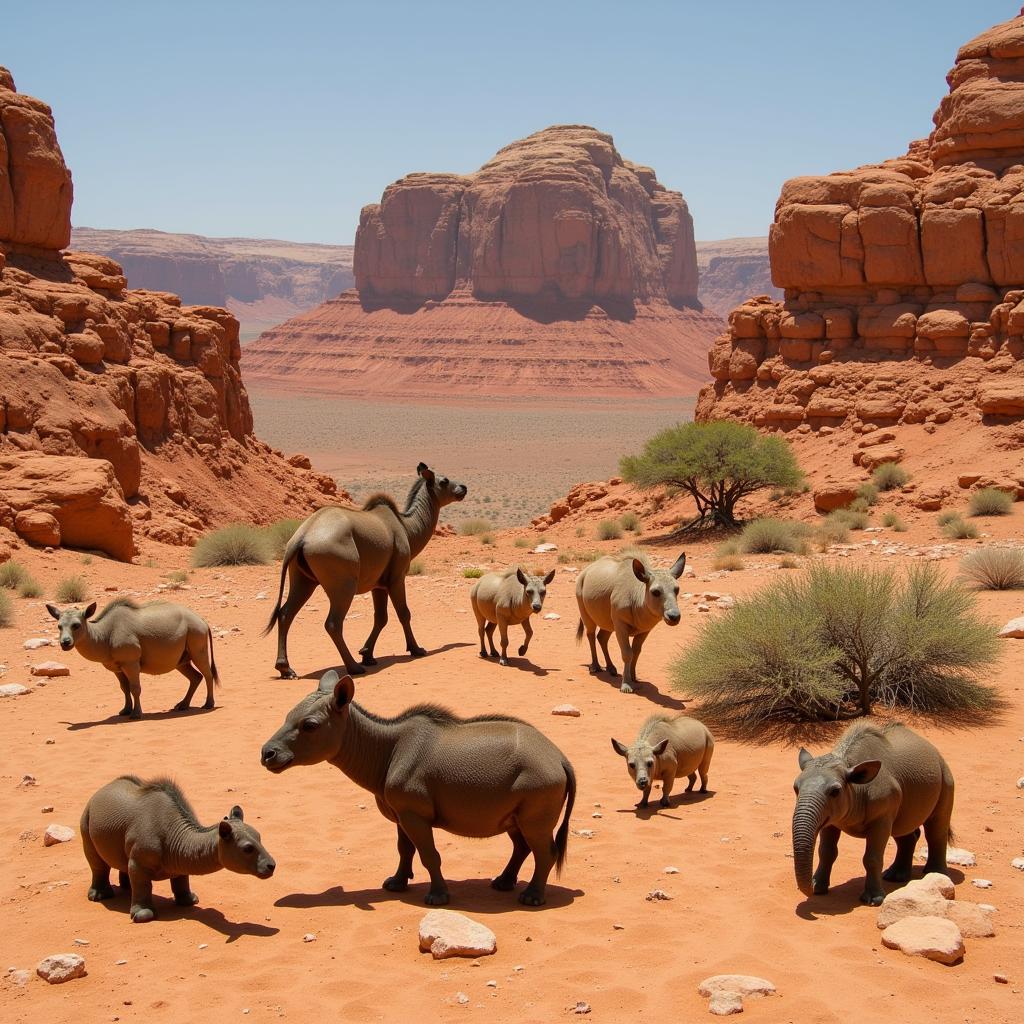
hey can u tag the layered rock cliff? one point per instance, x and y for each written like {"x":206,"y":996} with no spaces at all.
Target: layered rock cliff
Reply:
{"x":731,"y":270}
{"x":121,"y":409}
{"x":557,"y":264}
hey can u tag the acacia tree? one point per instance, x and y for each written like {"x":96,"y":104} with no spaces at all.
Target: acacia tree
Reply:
{"x":717,"y":463}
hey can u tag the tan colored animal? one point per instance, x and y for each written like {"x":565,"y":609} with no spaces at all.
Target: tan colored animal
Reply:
{"x":428,"y":768}
{"x":129,"y":639}
{"x":668,"y":746}
{"x":148,"y":832}
{"x":625,"y":596}
{"x":503,"y":599}
{"x":350,"y":551}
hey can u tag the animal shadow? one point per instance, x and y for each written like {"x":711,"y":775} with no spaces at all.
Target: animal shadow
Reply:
{"x":643,"y":689}
{"x":521,"y":664}
{"x":844,"y":898}
{"x":676,"y":800}
{"x":168,"y":910}
{"x":147,"y":716}
{"x":385,"y":661}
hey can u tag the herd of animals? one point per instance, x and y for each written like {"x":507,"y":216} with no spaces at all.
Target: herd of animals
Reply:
{"x":477,"y":777}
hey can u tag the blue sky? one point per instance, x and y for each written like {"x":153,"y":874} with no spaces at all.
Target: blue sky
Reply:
{"x":283,"y":119}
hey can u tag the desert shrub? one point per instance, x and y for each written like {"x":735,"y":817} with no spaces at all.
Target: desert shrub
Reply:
{"x":608,"y":529}
{"x":889,"y":475}
{"x":990,"y":501}
{"x":959,"y":529}
{"x":716,"y":463}
{"x":5,"y":609}
{"x":29,"y":588}
{"x":834,"y":529}
{"x":71,"y":589}
{"x":944,"y":518}
{"x":487,"y":539}
{"x":855,"y":519}
{"x":868,"y":493}
{"x":630,"y":521}
{"x":859,"y":505}
{"x":581,"y":531}
{"x":278,"y":534}
{"x":729,"y":547}
{"x":231,"y":545}
{"x":472,"y":573}
{"x":894,"y":522}
{"x":995,"y":568}
{"x":86,"y":559}
{"x":416,"y":567}
{"x":12,"y":575}
{"x":177,"y":576}
{"x":728,"y":563}
{"x":474,"y":527}
{"x":763,"y":536}
{"x":788,"y":563}
{"x":838,"y":639}
{"x":521,"y":542}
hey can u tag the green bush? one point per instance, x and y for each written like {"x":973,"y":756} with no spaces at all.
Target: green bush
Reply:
{"x":717,"y":463}
{"x":608,"y":529}
{"x":894,"y":522}
{"x":889,"y":476}
{"x":868,"y":493}
{"x":232,"y":545}
{"x":12,"y":575}
{"x":474,"y":527}
{"x":836,"y":640}
{"x":959,"y":529}
{"x":416,"y":567}
{"x":990,"y":501}
{"x":71,"y":590}
{"x":764,"y":536}
{"x":995,"y":568}
{"x":472,"y":574}
{"x":630,"y":521}
{"x":29,"y":588}
{"x":5,"y":609}
{"x":278,"y":534}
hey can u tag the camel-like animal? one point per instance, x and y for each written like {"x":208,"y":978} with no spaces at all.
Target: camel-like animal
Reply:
{"x":351,"y":551}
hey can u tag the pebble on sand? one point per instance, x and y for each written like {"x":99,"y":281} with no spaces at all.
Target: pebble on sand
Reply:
{"x":445,"y":933}
{"x":934,"y":938}
{"x":13,"y":690}
{"x":566,"y":709}
{"x":56,"y":834}
{"x":954,"y":855}
{"x":657,"y":894}
{"x":726,"y":992}
{"x":50,"y":668}
{"x":1014,"y":629}
{"x":61,"y":967}
{"x":35,"y":642}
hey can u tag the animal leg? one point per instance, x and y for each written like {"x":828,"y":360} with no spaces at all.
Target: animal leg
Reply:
{"x":142,"y":893}
{"x":503,"y":632}
{"x":200,"y":656}
{"x":646,"y":798}
{"x":422,"y":835}
{"x":133,"y":673}
{"x":124,"y":881}
{"x":398,"y":599}
{"x":380,"y":620}
{"x":692,"y":779}
{"x":902,"y":868}
{"x":194,"y":677}
{"x":490,"y":628}
{"x":341,"y":600}
{"x":622,"y":635}
{"x":183,"y":895}
{"x":399,"y":881}
{"x":528,"y":630}
{"x":874,"y":855}
{"x":481,"y":629}
{"x":828,"y":850}
{"x":300,"y":590}
{"x":101,"y":888}
{"x":636,"y":645}
{"x":542,"y":845}
{"x":506,"y":881}
{"x":122,"y":680}
{"x":704,"y":768}
{"x":602,"y":639}
{"x":668,"y":780}
{"x":936,"y":830}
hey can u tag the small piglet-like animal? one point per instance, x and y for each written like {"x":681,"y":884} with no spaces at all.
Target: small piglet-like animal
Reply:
{"x":506,"y":599}
{"x":666,"y":747}
{"x":148,"y":832}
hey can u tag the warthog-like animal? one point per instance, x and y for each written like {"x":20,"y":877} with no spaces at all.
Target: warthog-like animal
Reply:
{"x":148,"y":832}
{"x":506,"y":599}
{"x":428,"y":768}
{"x":668,"y":746}
{"x":130,"y":639}
{"x":349,"y":551}
{"x":625,"y":596}
{"x":876,"y":783}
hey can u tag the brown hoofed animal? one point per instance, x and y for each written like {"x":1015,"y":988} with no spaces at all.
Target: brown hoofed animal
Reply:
{"x":625,"y":596}
{"x":876,"y":783}
{"x":350,"y":551}
{"x":503,"y":599}
{"x":148,"y":832}
{"x":428,"y":768}
{"x":129,"y":639}
{"x":668,"y":746}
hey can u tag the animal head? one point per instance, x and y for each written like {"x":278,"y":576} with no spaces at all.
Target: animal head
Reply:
{"x":535,"y":587}
{"x":70,"y":623}
{"x":641,"y":759}
{"x":661,"y":589}
{"x":443,"y":490}
{"x":313,"y":729}
{"x":825,"y":787}
{"x":239,"y":848}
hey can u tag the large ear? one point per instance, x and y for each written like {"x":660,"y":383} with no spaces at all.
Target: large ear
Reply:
{"x":660,"y":748}
{"x":224,"y":829}
{"x":344,"y":691}
{"x":236,"y":813}
{"x":90,"y":611}
{"x":53,"y":610}
{"x":619,"y":748}
{"x":328,"y":681}
{"x":678,"y":566}
{"x":640,"y":571}
{"x":521,"y":576}
{"x":550,"y":576}
{"x":805,"y":757}
{"x":426,"y":472}
{"x":863,"y":772}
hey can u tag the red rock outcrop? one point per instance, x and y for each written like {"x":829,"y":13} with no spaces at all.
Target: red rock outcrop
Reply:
{"x":731,"y":270}
{"x":557,"y":265}
{"x":149,"y":389}
{"x":904,"y":281}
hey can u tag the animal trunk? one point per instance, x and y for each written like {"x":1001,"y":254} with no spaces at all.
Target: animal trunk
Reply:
{"x":562,"y":835}
{"x":807,"y":822}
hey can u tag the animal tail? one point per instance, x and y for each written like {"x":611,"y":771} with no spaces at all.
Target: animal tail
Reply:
{"x":562,"y":835}
{"x":275,"y":615}
{"x":213,"y":661}
{"x":579,"y":632}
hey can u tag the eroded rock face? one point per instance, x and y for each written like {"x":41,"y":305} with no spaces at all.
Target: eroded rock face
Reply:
{"x":904,"y":281}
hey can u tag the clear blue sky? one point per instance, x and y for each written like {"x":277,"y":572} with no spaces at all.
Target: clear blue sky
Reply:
{"x":283,"y":119}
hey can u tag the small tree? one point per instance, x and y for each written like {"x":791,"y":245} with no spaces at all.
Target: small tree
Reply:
{"x":717,"y":463}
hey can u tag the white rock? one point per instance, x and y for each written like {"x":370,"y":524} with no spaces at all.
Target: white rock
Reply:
{"x":19,"y":977}
{"x":1014,"y":629}
{"x":461,"y":998}
{"x":56,"y":834}
{"x":726,"y":601}
{"x":567,"y":710}
{"x":657,"y":894}
{"x":309,"y":937}
{"x":726,"y":992}
{"x":13,"y":690}
{"x":261,"y":596}
{"x":954,"y":855}
{"x":543,"y":549}
{"x":934,"y":938}
{"x":446,"y":933}
{"x":581,"y":1007}
{"x":670,"y":871}
{"x":552,"y":616}
{"x":50,"y":668}
{"x":1020,"y":782}
{"x":35,"y":642}
{"x":722,"y":1004}
{"x":1018,"y":863}
{"x":61,"y":967}
{"x":981,"y":883}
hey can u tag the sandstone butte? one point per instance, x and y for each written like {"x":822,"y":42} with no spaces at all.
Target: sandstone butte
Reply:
{"x":558,"y":267}
{"x":903,"y":284}
{"x":122,"y":413}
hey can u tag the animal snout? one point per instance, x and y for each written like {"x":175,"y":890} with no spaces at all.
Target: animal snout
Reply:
{"x":460,"y":491}
{"x":66,"y":643}
{"x":267,"y":869}
{"x":275,"y":759}
{"x":641,"y":783}
{"x":536,"y":606}
{"x":672,"y":617}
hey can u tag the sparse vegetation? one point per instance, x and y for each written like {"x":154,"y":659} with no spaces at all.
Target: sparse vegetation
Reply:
{"x":859,"y":505}
{"x":177,"y":576}
{"x":12,"y":575}
{"x":958,"y":528}
{"x":232,"y":545}
{"x":581,"y":531}
{"x":86,"y":559}
{"x":868,"y":493}
{"x":728,"y":563}
{"x":834,"y":529}
{"x":487,"y":539}
{"x":995,"y":568}
{"x":474,"y":527}
{"x":990,"y":501}
{"x":416,"y":567}
{"x":472,"y":573}
{"x":29,"y":588}
{"x":71,"y":589}
{"x":788,"y":563}
{"x":5,"y":609}
{"x":889,"y":476}
{"x":894,"y":522}
{"x":717,"y":463}
{"x":608,"y":529}
{"x":630,"y":521}
{"x":521,"y":542}
{"x":764,"y":536}
{"x":837,"y":640}
{"x":278,"y":534}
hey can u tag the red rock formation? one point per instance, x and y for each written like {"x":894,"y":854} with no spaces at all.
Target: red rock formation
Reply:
{"x":732,"y":269}
{"x":148,"y":388}
{"x":557,"y":264}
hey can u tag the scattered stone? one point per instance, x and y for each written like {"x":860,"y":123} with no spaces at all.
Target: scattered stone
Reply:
{"x":581,"y":1007}
{"x":973,"y":919}
{"x":461,"y":998}
{"x":703,"y":607}
{"x":81,"y":942}
{"x":1002,"y":979}
{"x":566,"y":709}
{"x":934,"y":938}
{"x":1018,"y":863}
{"x":981,"y":883}
{"x":586,"y":833}
{"x":920,"y":898}
{"x":1014,"y":629}
{"x":50,"y":668}
{"x":56,"y":834}
{"x":657,"y":894}
{"x":1020,"y":782}
{"x":309,"y":937}
{"x":726,"y":992}
{"x":722,"y":1004}
{"x":954,"y":855}
{"x":446,"y":933}
{"x":552,"y":616}
{"x":48,"y":809}
{"x":261,"y":596}
{"x":27,"y":780}
{"x":543,"y":549}
{"x":61,"y":967}
{"x":35,"y":642}
{"x":13,"y":690}
{"x":671,"y":871}
{"x":19,"y":977}
{"x":492,"y":984}
{"x":726,"y":601}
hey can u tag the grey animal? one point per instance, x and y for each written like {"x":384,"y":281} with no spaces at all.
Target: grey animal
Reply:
{"x":665,"y":747}
{"x":350,"y":551}
{"x":625,"y":596}
{"x":129,"y":639}
{"x":428,"y":768}
{"x":876,"y":783}
{"x":148,"y":832}
{"x":503,"y":599}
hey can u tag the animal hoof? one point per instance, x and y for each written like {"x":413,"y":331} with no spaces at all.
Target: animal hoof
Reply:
{"x":287,"y":672}
{"x":820,"y":889}
{"x":484,"y":654}
{"x":125,"y":712}
{"x":872,"y":899}
{"x":356,"y":670}
{"x":522,"y":651}
{"x":96,"y":895}
{"x":643,"y":803}
{"x":136,"y":714}
{"x":502,"y":661}
{"x":417,"y":652}
{"x":142,"y":915}
{"x":529,"y":898}
{"x":595,"y":670}
{"x":503,"y":884}
{"x":189,"y":899}
{"x":396,"y":883}
{"x":896,"y":875}
{"x":664,"y":802}
{"x":182,"y":705}
{"x":626,"y":688}
{"x":208,"y":705}
{"x":437,"y":899}
{"x":369,"y":659}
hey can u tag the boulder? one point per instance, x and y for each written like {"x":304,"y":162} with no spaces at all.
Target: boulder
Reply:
{"x":1014,"y":629}
{"x":61,"y":967}
{"x":445,"y":933}
{"x":831,"y":496}
{"x":726,"y":992}
{"x":13,"y":690}
{"x":49,"y":669}
{"x":934,"y":938}
{"x":57,"y":834}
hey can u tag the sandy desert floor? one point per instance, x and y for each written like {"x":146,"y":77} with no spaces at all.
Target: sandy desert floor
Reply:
{"x":240,"y":954}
